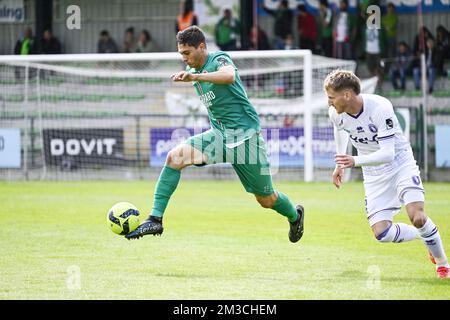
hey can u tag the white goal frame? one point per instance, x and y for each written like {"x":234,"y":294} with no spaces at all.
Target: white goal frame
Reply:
{"x":305,"y":64}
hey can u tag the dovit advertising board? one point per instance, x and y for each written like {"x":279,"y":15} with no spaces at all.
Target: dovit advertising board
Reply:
{"x":77,"y":148}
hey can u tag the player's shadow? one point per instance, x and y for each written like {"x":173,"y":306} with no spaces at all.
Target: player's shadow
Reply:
{"x":181,"y":275}
{"x":432,"y":280}
{"x":359,"y":275}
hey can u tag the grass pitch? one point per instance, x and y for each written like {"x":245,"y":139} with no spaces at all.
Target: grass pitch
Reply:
{"x":217,"y":244}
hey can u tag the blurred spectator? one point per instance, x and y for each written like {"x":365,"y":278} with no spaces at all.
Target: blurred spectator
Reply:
{"x":374,"y":47}
{"x":358,"y":35}
{"x":26,"y":44}
{"x":390,"y":22}
{"x":187,"y":16}
{"x":50,"y":44}
{"x":259,"y":39}
{"x":129,"y":41}
{"x":326,"y":24}
{"x":146,"y":43}
{"x":344,"y":25}
{"x":420,"y":40}
{"x":283,"y":23}
{"x":432,"y":60}
{"x":400,"y":66}
{"x":106,"y":44}
{"x":289,"y":43}
{"x":289,"y":84}
{"x":307,"y":29}
{"x":443,"y":46}
{"x":226,"y":31}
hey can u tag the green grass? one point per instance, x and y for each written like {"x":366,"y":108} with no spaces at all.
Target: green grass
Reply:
{"x":217,"y":244}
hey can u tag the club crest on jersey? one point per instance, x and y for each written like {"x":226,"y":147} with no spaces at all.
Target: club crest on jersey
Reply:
{"x":389,"y":123}
{"x":222,"y":61}
{"x":416,"y":180}
{"x":373,"y":128}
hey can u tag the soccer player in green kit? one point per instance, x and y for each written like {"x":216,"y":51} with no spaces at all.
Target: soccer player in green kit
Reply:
{"x":234,"y":136}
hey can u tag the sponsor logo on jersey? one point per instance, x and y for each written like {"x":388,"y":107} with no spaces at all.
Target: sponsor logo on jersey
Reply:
{"x":389,"y":123}
{"x":364,"y":140}
{"x":207,"y":98}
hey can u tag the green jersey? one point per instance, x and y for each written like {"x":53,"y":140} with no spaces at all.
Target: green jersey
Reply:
{"x":229,"y":109}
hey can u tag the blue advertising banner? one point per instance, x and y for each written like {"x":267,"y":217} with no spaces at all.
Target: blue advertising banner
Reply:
{"x":10,"y":148}
{"x":285,"y":146}
{"x":441,"y":134}
{"x":402,"y":6}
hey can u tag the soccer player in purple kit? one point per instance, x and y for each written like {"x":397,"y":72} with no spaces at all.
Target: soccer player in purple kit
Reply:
{"x":391,"y":175}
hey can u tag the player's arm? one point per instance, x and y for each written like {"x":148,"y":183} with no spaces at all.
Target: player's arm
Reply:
{"x":387,"y":124}
{"x":385,"y":154}
{"x":224,"y":75}
{"x":341,"y":139}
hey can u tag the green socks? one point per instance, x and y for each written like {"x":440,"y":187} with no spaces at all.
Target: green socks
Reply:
{"x":284,"y":207}
{"x":167,"y":183}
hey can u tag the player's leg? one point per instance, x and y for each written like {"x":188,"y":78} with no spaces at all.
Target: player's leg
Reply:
{"x":428,"y":232}
{"x":411,"y":194}
{"x":253,"y":168}
{"x":182,"y":156}
{"x":382,"y":204}
{"x":279,"y":202}
{"x":388,"y":231}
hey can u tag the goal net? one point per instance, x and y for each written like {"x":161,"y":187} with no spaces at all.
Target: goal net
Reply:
{"x":116,"y":116}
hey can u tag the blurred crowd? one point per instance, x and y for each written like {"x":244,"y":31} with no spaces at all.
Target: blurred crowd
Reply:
{"x":332,"y":32}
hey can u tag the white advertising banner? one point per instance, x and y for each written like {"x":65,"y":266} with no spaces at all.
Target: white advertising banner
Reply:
{"x":12,"y":11}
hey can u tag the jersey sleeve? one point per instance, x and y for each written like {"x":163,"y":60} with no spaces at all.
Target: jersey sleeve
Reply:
{"x":340,"y":136}
{"x":222,"y":61}
{"x":385,"y":120}
{"x":333,"y":116}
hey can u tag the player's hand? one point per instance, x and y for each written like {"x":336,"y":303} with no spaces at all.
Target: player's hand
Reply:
{"x":338,"y":175}
{"x":344,"y":161}
{"x":182,"y":76}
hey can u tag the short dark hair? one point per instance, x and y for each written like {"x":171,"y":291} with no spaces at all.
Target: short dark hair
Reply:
{"x":146,"y":33}
{"x":191,"y":36}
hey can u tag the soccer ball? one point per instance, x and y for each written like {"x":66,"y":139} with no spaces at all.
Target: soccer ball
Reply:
{"x":122,"y":218}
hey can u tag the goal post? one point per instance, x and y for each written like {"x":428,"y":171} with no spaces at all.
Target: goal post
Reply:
{"x":115,"y":116}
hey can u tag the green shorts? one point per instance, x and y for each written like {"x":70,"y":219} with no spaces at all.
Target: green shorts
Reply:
{"x":249,"y":159}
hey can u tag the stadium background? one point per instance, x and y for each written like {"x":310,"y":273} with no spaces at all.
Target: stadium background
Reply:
{"x":160,"y":19}
{"x":218,"y":243}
